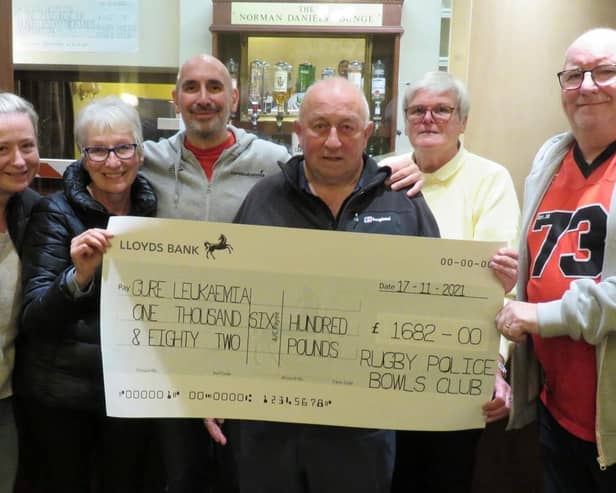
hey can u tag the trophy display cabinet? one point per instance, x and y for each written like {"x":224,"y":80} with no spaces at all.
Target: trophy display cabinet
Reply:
{"x":275,"y":49}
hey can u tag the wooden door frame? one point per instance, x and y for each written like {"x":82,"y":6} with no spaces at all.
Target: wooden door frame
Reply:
{"x":6,"y":40}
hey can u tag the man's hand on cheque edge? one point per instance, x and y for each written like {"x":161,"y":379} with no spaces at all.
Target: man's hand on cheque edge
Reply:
{"x":213,"y":426}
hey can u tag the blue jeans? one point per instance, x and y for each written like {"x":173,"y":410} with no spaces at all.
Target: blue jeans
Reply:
{"x":570,"y":464}
{"x":8,"y":446}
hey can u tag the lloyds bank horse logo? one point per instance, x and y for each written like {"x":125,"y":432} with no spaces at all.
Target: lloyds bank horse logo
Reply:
{"x":220,"y":245}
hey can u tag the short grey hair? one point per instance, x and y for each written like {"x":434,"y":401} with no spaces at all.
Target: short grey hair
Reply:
{"x":439,"y":82}
{"x":108,"y":114}
{"x":11,"y":103}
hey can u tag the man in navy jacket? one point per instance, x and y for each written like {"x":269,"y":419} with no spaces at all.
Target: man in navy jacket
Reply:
{"x":332,"y":186}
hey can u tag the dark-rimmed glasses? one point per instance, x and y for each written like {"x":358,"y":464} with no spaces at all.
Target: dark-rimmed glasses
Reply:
{"x":99,"y":154}
{"x":440,"y":112}
{"x":601,"y":75}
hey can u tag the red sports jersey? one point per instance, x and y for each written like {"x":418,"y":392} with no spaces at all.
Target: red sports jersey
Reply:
{"x":566,"y":241}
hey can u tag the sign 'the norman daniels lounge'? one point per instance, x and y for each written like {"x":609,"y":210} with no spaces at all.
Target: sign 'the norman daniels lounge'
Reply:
{"x":307,"y":14}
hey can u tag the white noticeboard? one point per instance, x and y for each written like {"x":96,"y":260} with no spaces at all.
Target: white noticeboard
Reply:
{"x":75,"y":26}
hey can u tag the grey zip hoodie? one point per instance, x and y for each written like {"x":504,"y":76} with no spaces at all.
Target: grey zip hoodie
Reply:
{"x":183,"y":190}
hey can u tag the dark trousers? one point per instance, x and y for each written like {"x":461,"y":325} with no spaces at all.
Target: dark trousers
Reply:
{"x":434,"y":461}
{"x":296,"y":458}
{"x":8,"y":445}
{"x":74,"y":451}
{"x":193,"y":463}
{"x":570,"y":464}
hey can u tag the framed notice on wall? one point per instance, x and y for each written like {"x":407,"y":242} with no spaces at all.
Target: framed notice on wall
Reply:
{"x":75,"y":25}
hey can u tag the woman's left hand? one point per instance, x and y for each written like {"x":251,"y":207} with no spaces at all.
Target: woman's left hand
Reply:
{"x":499,"y":407}
{"x":404,"y":173}
{"x":504,"y":264}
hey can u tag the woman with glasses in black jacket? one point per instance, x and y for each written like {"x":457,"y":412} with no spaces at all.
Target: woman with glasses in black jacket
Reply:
{"x":59,"y":370}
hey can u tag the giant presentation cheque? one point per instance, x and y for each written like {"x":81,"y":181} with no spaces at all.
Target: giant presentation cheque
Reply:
{"x":223,"y":320}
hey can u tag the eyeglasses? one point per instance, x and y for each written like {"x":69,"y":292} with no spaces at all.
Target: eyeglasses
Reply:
{"x":440,"y":113}
{"x":601,"y":75}
{"x":99,"y":154}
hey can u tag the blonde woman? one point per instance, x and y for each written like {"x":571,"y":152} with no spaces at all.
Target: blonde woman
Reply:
{"x":19,"y":162}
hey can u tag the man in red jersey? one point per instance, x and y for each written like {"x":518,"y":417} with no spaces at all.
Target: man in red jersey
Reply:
{"x":566,"y":353}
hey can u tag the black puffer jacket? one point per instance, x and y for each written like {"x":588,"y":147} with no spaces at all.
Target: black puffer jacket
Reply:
{"x":59,"y":355}
{"x":18,"y":212}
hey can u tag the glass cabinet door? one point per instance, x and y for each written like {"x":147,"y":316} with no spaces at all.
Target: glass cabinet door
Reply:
{"x":273,"y":73}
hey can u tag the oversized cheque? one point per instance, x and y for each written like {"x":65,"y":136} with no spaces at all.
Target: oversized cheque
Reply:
{"x":222,"y":320}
